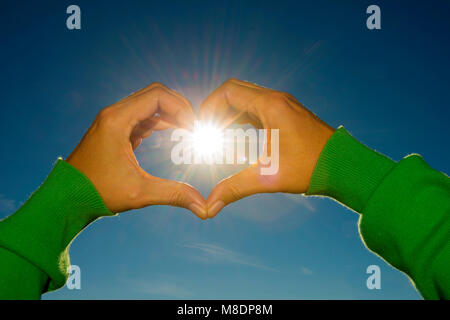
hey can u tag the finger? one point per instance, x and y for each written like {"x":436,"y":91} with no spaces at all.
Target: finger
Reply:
{"x":245,"y":119}
{"x":162,"y":122}
{"x":157,"y":123}
{"x":233,"y":100}
{"x":135,"y":142}
{"x":178,"y":194}
{"x":157,"y":98}
{"x":243,"y":184}
{"x":145,"y":128}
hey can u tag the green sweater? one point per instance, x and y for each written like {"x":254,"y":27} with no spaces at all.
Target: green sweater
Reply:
{"x":404,"y":210}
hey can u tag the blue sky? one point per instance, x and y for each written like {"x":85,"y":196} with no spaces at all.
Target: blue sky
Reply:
{"x":389,"y":88}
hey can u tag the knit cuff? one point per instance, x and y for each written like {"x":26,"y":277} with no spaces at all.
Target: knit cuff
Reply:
{"x":348,"y":171}
{"x":42,"y":229}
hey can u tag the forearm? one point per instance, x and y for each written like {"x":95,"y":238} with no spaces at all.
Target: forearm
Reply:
{"x":37,"y":237}
{"x":19,"y":278}
{"x":404,"y":208}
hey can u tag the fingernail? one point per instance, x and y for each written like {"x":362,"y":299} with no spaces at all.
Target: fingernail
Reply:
{"x":199,"y":211}
{"x":215,"y":208}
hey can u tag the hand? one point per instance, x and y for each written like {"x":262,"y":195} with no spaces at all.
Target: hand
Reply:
{"x":105,"y":154}
{"x":302,"y":137}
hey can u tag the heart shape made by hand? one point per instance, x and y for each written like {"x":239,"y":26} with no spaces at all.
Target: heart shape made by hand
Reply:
{"x":106,"y":152}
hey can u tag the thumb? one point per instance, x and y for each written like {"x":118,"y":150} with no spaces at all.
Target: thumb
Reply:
{"x":178,"y":194}
{"x":240,"y":185}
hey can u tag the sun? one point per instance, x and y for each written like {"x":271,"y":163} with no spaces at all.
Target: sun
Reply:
{"x":207,"y":139}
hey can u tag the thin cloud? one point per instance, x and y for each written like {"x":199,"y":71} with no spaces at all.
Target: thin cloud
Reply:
{"x":7,"y":205}
{"x":166,"y":289}
{"x":301,"y":200}
{"x":211,"y":253}
{"x":306,"y":271}
{"x":266,"y":208}
{"x":161,"y":289}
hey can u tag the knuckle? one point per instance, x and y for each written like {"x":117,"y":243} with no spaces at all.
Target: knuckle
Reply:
{"x":176,"y":196}
{"x":156,"y":85}
{"x":276,"y":97}
{"x":234,"y":80}
{"x":230,"y":82}
{"x":158,"y":90}
{"x":107,"y":116}
{"x":230,"y":187}
{"x":274,"y":102}
{"x":104,"y":112}
{"x":133,"y":196}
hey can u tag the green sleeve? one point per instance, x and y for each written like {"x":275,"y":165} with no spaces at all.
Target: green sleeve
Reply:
{"x":404,"y":206}
{"x":35,"y":240}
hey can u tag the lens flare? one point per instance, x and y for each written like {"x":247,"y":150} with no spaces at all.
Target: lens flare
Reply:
{"x":207,"y":139}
